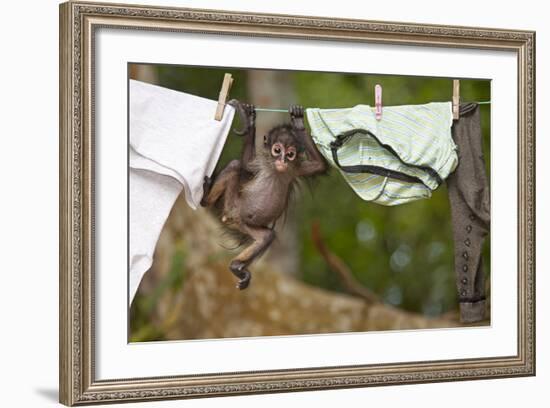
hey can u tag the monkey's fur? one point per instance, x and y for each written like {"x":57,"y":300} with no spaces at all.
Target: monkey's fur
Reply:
{"x":252,"y":193}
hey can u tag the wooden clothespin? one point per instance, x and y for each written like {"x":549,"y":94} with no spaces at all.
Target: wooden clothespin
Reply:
{"x":456,"y":99}
{"x":378,"y":101}
{"x":224,"y":93}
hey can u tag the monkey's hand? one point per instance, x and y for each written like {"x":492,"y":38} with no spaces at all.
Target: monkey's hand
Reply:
{"x":247,"y":114}
{"x":297,"y":117}
{"x":206,"y":186}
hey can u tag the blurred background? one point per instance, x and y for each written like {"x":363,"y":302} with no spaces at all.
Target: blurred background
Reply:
{"x":339,"y":264}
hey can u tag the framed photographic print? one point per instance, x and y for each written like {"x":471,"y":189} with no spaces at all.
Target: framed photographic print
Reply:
{"x":259,"y":203}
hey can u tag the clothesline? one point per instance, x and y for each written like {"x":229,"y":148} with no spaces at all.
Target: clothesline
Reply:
{"x":286,"y":110}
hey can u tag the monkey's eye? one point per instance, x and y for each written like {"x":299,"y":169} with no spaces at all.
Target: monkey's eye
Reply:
{"x":276,"y":150}
{"x":291,"y":155}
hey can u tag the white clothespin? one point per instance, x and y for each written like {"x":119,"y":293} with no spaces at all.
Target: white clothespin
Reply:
{"x":456,"y":99}
{"x":224,"y":93}
{"x":378,"y":101}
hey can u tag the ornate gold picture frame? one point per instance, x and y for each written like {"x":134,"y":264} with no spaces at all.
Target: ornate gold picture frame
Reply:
{"x":79,"y":23}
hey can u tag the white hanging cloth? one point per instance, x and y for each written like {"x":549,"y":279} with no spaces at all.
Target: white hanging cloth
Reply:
{"x":174,"y":143}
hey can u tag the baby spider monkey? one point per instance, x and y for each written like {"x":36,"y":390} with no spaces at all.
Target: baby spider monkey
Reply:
{"x":252,"y":193}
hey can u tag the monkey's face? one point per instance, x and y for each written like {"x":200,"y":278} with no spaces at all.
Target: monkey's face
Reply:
{"x":282,"y":148}
{"x":283,"y":155}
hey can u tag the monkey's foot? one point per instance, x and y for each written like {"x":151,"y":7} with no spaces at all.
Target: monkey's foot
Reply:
{"x":238,"y":269}
{"x":206,"y":186}
{"x":243,"y":283}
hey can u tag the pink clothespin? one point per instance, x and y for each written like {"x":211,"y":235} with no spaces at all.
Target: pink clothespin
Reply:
{"x":378,"y":101}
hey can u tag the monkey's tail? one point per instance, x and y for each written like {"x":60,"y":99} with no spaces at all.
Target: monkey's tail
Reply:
{"x":236,"y":236}
{"x":227,"y":232}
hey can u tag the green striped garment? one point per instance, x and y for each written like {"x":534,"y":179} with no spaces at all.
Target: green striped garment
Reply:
{"x":410,"y":140}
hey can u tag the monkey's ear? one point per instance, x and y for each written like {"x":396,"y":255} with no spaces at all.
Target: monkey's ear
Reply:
{"x":265,"y":140}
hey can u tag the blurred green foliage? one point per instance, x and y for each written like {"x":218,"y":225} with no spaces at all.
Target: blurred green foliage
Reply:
{"x":403,"y":253}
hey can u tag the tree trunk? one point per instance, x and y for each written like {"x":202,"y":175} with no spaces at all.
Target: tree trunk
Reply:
{"x":209,"y":306}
